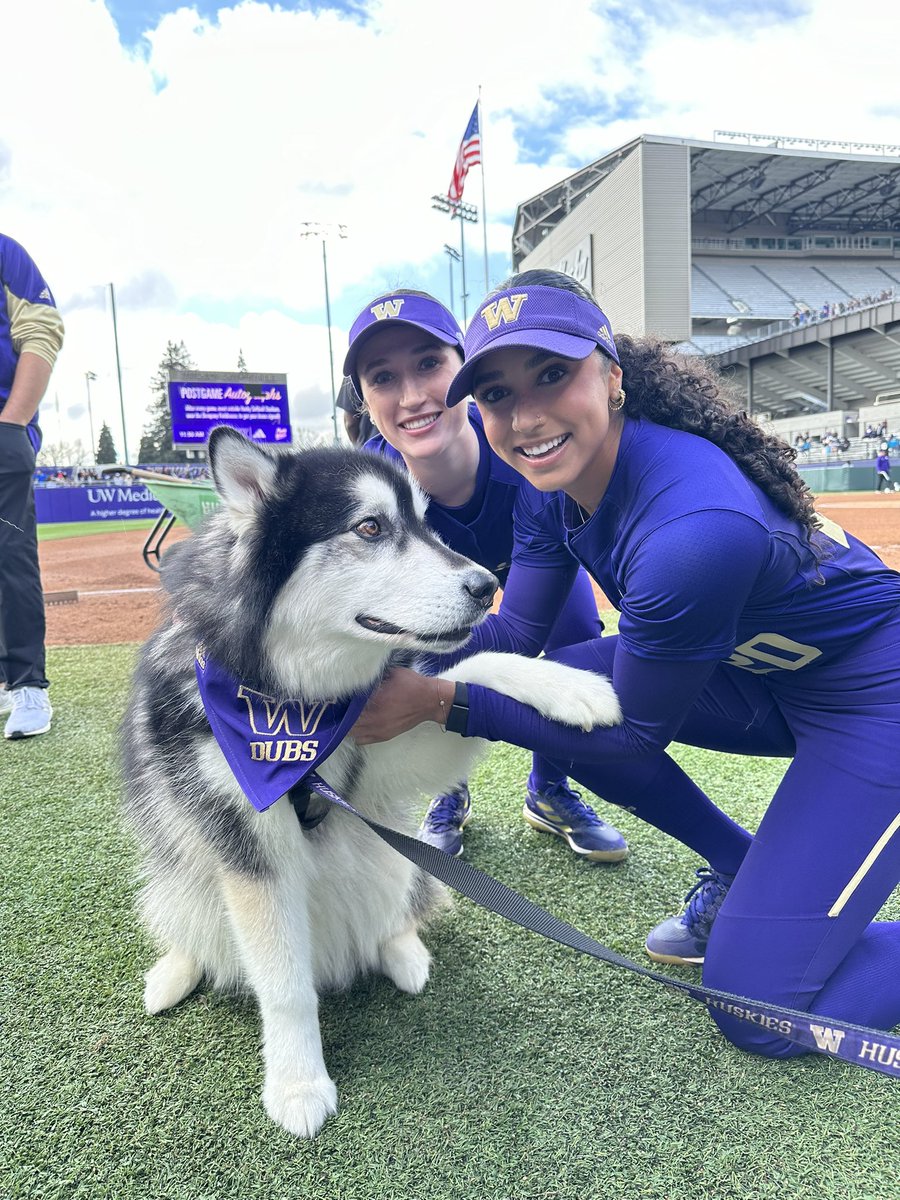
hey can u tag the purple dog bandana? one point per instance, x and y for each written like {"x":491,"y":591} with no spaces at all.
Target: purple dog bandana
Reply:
{"x":545,"y":318}
{"x":270,"y":744}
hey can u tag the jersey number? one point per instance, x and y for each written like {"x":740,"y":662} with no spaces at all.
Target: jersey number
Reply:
{"x":780,"y":653}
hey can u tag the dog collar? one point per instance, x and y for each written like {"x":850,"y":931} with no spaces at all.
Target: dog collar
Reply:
{"x":270,"y":745}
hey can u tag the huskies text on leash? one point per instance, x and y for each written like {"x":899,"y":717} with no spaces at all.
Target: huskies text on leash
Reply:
{"x":317,"y":574}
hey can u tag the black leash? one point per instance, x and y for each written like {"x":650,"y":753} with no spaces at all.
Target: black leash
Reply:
{"x":872,"y":1048}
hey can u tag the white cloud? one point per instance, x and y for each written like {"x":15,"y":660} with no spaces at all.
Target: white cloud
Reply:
{"x":183,"y":170}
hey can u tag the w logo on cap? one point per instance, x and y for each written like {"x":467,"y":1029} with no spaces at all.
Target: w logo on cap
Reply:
{"x":387,"y":308}
{"x":503,"y":311}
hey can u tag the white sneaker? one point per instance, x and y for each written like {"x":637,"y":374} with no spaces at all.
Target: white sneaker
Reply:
{"x":30,"y":712}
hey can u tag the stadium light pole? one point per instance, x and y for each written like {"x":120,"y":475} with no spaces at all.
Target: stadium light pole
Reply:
{"x":322,"y":230}
{"x":453,"y":256}
{"x":112,"y":296}
{"x":89,"y":378}
{"x":462,"y":213}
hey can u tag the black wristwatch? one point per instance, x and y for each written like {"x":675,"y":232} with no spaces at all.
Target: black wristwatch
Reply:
{"x":458,"y":716}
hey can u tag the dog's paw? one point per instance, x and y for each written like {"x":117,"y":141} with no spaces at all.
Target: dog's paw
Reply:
{"x":406,"y":962}
{"x":301,"y":1107}
{"x":561,"y":693}
{"x":575,"y":697}
{"x":169,"y":980}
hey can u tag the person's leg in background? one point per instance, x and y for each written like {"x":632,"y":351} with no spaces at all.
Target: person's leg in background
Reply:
{"x":22,"y":621}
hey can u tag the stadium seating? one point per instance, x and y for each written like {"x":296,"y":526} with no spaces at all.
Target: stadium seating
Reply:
{"x":773,"y":289}
{"x":748,"y":283}
{"x":708,"y":299}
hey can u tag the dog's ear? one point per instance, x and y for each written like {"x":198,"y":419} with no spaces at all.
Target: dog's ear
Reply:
{"x":244,"y":474}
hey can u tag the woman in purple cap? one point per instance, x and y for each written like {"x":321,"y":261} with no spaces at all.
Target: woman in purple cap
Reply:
{"x":405,"y":348}
{"x":748,"y":624}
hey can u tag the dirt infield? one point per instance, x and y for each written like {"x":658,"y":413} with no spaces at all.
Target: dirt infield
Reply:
{"x":119,"y":598}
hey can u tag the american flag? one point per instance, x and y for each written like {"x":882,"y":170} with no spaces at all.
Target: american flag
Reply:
{"x":468,"y":155}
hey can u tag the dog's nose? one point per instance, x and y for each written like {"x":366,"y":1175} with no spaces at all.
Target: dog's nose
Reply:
{"x":481,"y":587}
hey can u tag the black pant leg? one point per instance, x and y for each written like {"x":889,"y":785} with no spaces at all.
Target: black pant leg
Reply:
{"x":22,"y":621}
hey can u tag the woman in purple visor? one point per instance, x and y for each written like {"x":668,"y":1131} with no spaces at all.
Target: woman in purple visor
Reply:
{"x":748,"y":624}
{"x":405,"y":349}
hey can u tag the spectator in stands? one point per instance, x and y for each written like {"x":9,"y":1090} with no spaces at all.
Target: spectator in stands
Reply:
{"x":893,"y":442}
{"x":883,"y":473}
{"x":31,"y":335}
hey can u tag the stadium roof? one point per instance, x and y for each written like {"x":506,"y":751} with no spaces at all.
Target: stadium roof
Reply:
{"x":843,"y":186}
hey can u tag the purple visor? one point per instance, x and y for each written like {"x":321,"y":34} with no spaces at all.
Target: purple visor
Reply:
{"x":416,"y":312}
{"x":545,"y":318}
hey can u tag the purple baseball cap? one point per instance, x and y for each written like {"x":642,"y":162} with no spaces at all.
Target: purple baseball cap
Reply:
{"x":400,"y":308}
{"x":547,"y":318}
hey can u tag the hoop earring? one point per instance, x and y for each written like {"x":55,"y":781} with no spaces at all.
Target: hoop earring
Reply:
{"x":619,"y":401}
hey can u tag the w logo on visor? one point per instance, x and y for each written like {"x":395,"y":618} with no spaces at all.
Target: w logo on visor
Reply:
{"x":503,"y":311}
{"x":387,"y":308}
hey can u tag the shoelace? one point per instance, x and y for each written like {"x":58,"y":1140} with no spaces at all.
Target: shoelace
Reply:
{"x":445,"y":812}
{"x":703,"y":900}
{"x":563,"y":797}
{"x":27,"y":697}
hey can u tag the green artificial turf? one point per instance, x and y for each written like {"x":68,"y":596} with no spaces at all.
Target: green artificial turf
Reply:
{"x":523,"y":1072}
{"x":54,"y":531}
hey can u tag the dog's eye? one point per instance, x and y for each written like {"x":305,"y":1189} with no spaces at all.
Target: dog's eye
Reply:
{"x":369,"y":528}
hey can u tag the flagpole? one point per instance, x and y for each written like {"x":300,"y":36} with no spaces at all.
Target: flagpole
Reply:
{"x":483,"y":194}
{"x":462,"y":259}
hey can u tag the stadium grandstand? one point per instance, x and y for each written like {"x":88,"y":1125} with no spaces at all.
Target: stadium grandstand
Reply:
{"x":779,"y":257}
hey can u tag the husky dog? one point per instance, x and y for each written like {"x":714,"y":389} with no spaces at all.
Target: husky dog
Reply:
{"x":316,"y":573}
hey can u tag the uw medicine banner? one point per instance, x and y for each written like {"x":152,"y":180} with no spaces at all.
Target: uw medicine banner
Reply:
{"x":95,"y":502}
{"x":255,"y":405}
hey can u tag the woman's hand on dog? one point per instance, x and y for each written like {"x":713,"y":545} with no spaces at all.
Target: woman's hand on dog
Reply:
{"x":404,"y":700}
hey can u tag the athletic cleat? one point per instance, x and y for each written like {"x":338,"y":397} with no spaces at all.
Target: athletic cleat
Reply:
{"x":560,"y":811}
{"x":445,"y":819}
{"x":683,"y":939}
{"x":30,"y":713}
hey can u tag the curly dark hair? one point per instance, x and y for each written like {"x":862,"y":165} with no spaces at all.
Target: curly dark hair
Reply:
{"x":682,"y":392}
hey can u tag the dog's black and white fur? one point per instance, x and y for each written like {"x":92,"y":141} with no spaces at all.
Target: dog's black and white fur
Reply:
{"x":315,"y":573}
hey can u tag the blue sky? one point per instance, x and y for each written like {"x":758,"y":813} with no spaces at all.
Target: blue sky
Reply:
{"x":134,"y":19}
{"x":178,"y":151}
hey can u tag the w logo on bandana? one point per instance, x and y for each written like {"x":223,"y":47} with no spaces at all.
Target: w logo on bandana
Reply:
{"x":270,"y":717}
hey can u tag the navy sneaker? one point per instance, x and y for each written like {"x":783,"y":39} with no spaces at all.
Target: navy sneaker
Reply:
{"x":683,"y":939}
{"x":443,"y":823}
{"x":560,"y":811}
